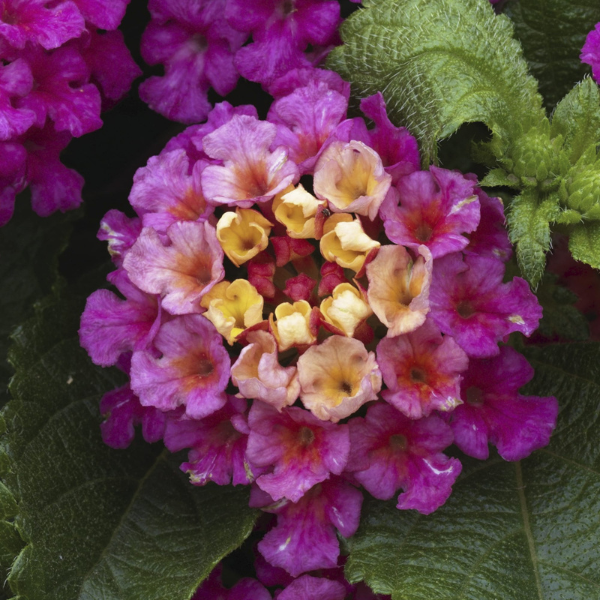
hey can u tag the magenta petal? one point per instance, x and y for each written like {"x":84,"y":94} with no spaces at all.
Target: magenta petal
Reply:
{"x":16,"y":81}
{"x":315,"y":588}
{"x":193,"y":370}
{"x":590,"y":53}
{"x":422,"y":371}
{"x":491,"y":236}
{"x":248,"y":589}
{"x":61,"y":91}
{"x":53,"y":186}
{"x":104,"y":14}
{"x":110,"y":63}
{"x":120,"y":232}
{"x":310,"y":115}
{"x":12,"y":177}
{"x":122,"y":410}
{"x":300,"y":449}
{"x":299,"y":78}
{"x":29,"y":20}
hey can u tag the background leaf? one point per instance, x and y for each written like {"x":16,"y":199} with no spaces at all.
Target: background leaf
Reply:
{"x":526,"y":530}
{"x":100,"y":523}
{"x":584,"y":243}
{"x":439,"y":65}
{"x":29,"y":249}
{"x":552,"y":33}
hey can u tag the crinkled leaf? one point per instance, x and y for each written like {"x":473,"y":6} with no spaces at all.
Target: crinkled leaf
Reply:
{"x":584,"y":243}
{"x":499,"y":177}
{"x":439,"y":64}
{"x":577,"y":118}
{"x":552,"y":33}
{"x":529,"y":227}
{"x":561,"y":319}
{"x":100,"y":523}
{"x":525,"y":530}
{"x":29,"y":249}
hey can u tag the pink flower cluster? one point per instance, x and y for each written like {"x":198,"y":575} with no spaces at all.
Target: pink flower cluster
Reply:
{"x":202,"y":45}
{"x":61,"y":61}
{"x":327,"y":584}
{"x":310,"y":313}
{"x":590,"y":53}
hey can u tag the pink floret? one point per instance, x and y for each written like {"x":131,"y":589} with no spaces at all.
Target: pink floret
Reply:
{"x":469,"y":301}
{"x":390,"y":451}
{"x":251,"y":172}
{"x":304,"y":538}
{"x":12,"y":177}
{"x":398,"y":149}
{"x":111,"y":326}
{"x":494,"y":411}
{"x":122,"y":411}
{"x":436,"y":208}
{"x":104,"y":14}
{"x":590,"y":53}
{"x":181,"y":272}
{"x":217,"y":445}
{"x":245,"y":589}
{"x":491,"y":237}
{"x":163,"y":192}
{"x":298,"y":449}
{"x":193,"y":369}
{"x":306,"y":118}
{"x":422,"y":371}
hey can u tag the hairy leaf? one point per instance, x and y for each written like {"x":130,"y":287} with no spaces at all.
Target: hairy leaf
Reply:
{"x":525,"y":530}
{"x":584,"y":243}
{"x":561,"y":319}
{"x":577,"y":119}
{"x":29,"y":249}
{"x":529,"y":227}
{"x":552,"y":33}
{"x":439,"y":65}
{"x":100,"y":523}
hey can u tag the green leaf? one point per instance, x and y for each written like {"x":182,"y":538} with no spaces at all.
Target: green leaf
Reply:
{"x":100,"y":523}
{"x":577,"y":119}
{"x":552,"y":33}
{"x":519,"y":531}
{"x":439,"y":64}
{"x":499,"y":177}
{"x":29,"y":249}
{"x":529,"y":229}
{"x":584,"y":243}
{"x":561,"y":319}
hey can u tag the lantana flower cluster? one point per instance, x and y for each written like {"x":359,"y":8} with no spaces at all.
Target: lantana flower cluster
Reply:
{"x":309,"y":312}
{"x":61,"y":62}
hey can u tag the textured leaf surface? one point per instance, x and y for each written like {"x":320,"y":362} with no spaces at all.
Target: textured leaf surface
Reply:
{"x":584,"y":243}
{"x":529,"y":228}
{"x":439,"y":65}
{"x":524,"y":531}
{"x":577,"y":118}
{"x":29,"y":249}
{"x":101,"y":524}
{"x":552,"y":33}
